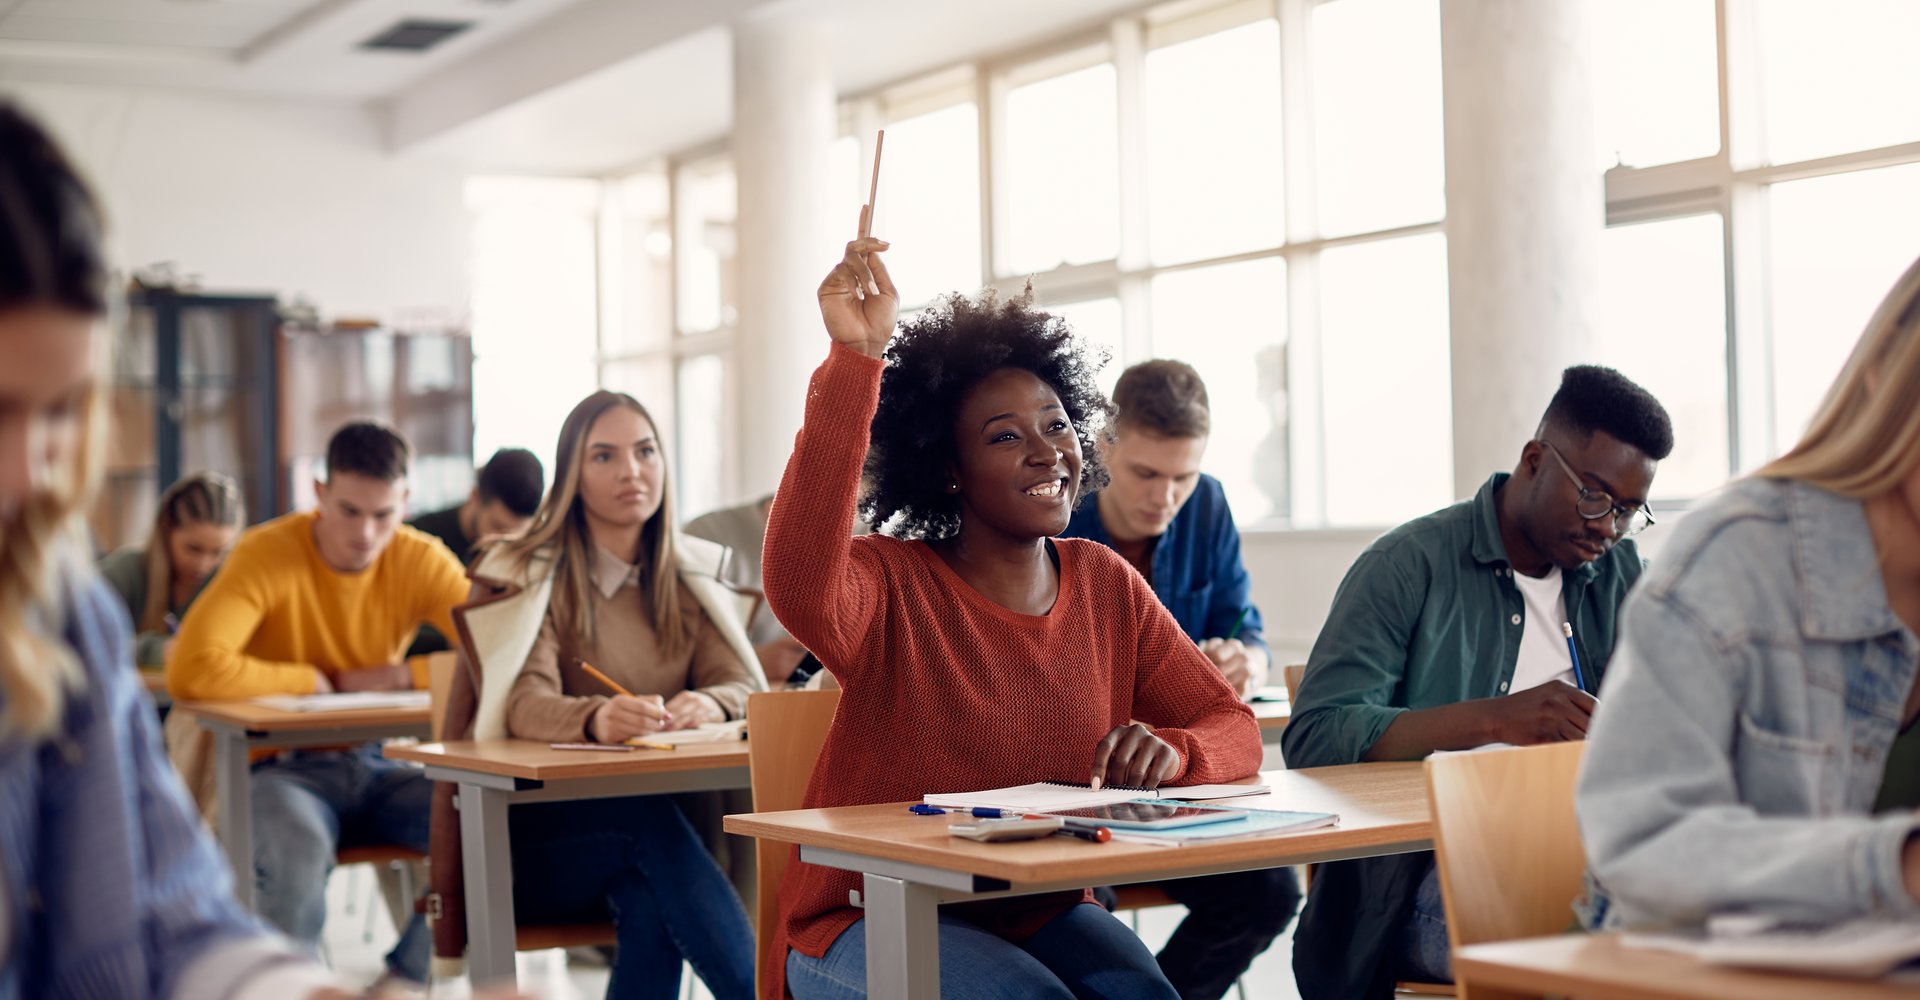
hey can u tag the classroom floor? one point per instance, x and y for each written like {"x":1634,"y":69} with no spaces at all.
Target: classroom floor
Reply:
{"x":357,"y":939}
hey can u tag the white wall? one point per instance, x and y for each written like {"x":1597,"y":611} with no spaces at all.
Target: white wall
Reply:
{"x":284,"y":197}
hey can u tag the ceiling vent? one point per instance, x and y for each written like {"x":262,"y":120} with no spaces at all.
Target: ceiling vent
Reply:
{"x":415,"y":35}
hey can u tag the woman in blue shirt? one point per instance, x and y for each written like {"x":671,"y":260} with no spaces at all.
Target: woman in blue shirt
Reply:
{"x":1757,"y":749}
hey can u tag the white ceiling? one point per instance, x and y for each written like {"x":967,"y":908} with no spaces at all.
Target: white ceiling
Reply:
{"x":293,"y":48}
{"x":549,"y":86}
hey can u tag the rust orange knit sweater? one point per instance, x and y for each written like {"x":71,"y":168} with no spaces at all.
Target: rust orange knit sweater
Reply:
{"x":945,"y":690}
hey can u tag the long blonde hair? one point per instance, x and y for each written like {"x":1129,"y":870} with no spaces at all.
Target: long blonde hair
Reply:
{"x":1865,"y":438}
{"x":199,"y":498}
{"x":50,"y":255}
{"x":559,"y":533}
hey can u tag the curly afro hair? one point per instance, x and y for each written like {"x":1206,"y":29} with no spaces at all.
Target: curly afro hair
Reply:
{"x":934,"y":360}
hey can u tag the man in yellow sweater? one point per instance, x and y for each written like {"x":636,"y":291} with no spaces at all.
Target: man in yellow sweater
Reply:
{"x":326,"y":600}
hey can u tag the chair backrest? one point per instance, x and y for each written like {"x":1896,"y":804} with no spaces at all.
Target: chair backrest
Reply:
{"x":1293,"y":674}
{"x":440,"y":668}
{"x":785,"y":730}
{"x":1506,"y":841}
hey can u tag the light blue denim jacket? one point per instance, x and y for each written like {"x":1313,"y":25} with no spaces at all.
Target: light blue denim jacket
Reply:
{"x":111,"y":886}
{"x":1739,"y":745}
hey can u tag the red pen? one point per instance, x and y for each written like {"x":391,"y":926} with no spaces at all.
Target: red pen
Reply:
{"x":1096,"y":834}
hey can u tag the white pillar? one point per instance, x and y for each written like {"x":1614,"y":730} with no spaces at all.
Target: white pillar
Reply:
{"x":1525,"y":210}
{"x":783,"y":131}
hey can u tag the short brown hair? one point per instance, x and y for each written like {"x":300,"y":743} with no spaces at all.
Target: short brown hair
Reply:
{"x":368,"y":448}
{"x":1162,"y":397}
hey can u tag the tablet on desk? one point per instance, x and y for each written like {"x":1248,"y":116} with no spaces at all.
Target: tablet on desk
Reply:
{"x":1148,"y":814}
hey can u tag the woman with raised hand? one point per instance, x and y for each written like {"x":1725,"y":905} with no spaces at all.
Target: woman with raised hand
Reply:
{"x":974,"y":650}
{"x":1758,"y":747}
{"x":194,"y":527}
{"x":603,"y":586}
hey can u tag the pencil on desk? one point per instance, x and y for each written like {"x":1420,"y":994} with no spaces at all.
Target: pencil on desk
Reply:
{"x":651,"y":744}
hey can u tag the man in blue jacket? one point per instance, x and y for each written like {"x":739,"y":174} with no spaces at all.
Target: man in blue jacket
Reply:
{"x":1172,"y":523}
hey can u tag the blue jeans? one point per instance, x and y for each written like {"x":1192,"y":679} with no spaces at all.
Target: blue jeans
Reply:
{"x":1425,"y":954}
{"x":1084,"y":954}
{"x":307,"y":805}
{"x":638,"y":859}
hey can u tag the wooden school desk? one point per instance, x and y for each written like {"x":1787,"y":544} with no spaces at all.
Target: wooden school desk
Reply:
{"x":1596,"y":967}
{"x":494,"y":774}
{"x":241,"y":727}
{"x":911,"y":865}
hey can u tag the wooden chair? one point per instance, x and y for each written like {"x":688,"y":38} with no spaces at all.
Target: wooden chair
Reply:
{"x":1292,"y":674}
{"x":785,"y":731}
{"x":1507,"y":842}
{"x":526,"y":937}
{"x":403,"y":863}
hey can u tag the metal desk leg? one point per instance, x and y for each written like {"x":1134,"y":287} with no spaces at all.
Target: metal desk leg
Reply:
{"x":233,"y":783}
{"x":487,"y":862}
{"x":903,"y":939}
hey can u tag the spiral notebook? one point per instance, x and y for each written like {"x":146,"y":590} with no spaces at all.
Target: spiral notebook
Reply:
{"x":1049,"y":796}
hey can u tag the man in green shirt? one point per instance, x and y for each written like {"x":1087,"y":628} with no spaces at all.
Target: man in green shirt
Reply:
{"x":1448,"y":634}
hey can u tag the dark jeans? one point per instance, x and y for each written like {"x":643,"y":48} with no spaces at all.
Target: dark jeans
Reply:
{"x":1231,"y":919}
{"x":1424,"y":952}
{"x":1082,"y":954}
{"x":638,"y":859}
{"x":307,"y":805}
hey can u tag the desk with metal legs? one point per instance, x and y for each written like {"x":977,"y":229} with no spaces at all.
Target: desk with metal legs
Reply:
{"x":910,"y":865}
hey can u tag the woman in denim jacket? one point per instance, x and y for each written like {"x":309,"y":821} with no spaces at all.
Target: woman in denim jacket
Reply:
{"x":1755,"y":750}
{"x":110,"y":888}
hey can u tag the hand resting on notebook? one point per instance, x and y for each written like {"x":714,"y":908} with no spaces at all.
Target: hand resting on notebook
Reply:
{"x":1131,"y":755}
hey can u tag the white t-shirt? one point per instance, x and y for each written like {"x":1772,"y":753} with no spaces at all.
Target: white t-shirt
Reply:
{"x":1543,"y":647}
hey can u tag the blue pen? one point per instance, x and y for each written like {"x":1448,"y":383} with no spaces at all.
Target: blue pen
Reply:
{"x":1579,"y":679}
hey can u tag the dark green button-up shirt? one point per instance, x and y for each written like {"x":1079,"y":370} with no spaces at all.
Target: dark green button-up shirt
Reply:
{"x":1429,"y":615}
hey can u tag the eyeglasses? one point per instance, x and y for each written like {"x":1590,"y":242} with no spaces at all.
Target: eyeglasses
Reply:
{"x":1595,"y":504}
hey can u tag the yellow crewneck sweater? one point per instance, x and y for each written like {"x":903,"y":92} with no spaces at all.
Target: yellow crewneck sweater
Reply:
{"x":276,"y":612}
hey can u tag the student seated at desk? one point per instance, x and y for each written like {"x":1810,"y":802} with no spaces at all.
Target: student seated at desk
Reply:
{"x":973,"y":650}
{"x":1757,"y":750}
{"x":1171,"y":521}
{"x":194,"y":527}
{"x":1447,"y":634}
{"x":109,"y":884}
{"x":506,"y":491}
{"x":326,"y":601}
{"x":602,"y":579}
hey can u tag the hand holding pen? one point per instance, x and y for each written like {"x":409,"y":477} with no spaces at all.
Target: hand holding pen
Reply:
{"x":625,"y":715}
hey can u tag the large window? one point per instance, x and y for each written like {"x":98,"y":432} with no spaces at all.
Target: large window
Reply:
{"x":1176,"y":188}
{"x":1768,"y":196}
{"x":534,"y":323}
{"x":1257,"y":187}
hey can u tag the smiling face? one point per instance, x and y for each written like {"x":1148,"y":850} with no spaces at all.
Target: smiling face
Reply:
{"x":1017,"y":458}
{"x":622,"y":472}
{"x":1153,"y":475}
{"x":1603,"y":463}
